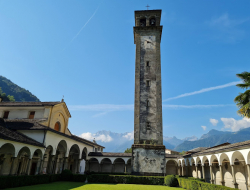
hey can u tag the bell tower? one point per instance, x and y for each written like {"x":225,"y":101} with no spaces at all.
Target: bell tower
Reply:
{"x":148,"y":150}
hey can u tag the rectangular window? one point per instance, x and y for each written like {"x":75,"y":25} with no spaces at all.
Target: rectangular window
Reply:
{"x":6,"y":114}
{"x":148,"y":126}
{"x":148,"y":82}
{"x":32,"y":115}
{"x":147,"y":103}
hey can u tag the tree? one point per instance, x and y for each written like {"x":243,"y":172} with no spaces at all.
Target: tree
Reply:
{"x":128,"y":150}
{"x":182,"y":153}
{"x":5,"y":97}
{"x":243,"y":99}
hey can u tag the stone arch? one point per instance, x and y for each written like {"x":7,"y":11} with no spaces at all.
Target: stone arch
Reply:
{"x":7,"y":152}
{"x":84,"y":153}
{"x":36,"y":162}
{"x":171,"y":167}
{"x":205,"y":160}
{"x":226,"y":169}
{"x":24,"y":154}
{"x":106,"y":165}
{"x":128,"y":166}
{"x":119,"y":165}
{"x":62,"y":148}
{"x":93,"y":165}
{"x":74,"y":155}
{"x":47,"y":166}
{"x":239,"y":169}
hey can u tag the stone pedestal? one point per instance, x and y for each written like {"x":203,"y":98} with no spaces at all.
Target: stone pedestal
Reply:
{"x":148,"y":160}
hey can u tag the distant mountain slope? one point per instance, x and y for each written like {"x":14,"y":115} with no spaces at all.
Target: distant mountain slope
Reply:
{"x":119,"y":142}
{"x":214,"y":137}
{"x":20,"y":94}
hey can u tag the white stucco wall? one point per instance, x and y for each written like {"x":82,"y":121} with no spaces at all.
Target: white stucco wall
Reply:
{"x":37,"y":135}
{"x":22,"y":112}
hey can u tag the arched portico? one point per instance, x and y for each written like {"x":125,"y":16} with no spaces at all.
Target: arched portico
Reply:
{"x":23,"y":165}
{"x":93,"y":165}
{"x":171,"y":167}
{"x":47,"y":160}
{"x":7,"y":158}
{"x":73,"y":159}
{"x":106,"y":165}
{"x":119,"y":165}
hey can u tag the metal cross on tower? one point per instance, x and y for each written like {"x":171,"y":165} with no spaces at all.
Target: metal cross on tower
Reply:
{"x":147,"y":6}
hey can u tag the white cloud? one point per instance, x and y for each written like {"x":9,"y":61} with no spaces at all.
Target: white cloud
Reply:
{"x":129,"y":136}
{"x":203,"y":90}
{"x":214,"y":122}
{"x":227,"y":29}
{"x":235,"y":125}
{"x":102,"y":138}
{"x":204,"y":127}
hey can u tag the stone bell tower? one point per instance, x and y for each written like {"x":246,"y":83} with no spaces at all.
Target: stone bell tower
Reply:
{"x":148,"y":150}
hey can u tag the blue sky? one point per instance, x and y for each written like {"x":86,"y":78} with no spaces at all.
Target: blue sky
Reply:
{"x":84,"y":50}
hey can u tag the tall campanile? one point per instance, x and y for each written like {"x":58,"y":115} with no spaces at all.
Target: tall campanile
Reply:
{"x":148,"y":150}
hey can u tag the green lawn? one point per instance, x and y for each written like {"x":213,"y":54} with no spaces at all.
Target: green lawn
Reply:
{"x":80,"y":186}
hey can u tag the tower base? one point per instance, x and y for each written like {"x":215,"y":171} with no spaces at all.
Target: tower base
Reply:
{"x":148,"y":160}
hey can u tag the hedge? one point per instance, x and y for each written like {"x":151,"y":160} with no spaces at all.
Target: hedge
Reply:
{"x":26,"y":180}
{"x":198,"y":184}
{"x":126,"y":179}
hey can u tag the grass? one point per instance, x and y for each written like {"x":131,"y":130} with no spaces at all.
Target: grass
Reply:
{"x":83,"y":186}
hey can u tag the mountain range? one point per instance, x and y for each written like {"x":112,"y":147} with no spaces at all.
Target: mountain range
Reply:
{"x":20,"y":94}
{"x":119,"y":142}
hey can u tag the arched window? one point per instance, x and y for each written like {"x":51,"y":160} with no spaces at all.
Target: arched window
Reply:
{"x":152,"y":21}
{"x":143,"y":22}
{"x":57,"y":126}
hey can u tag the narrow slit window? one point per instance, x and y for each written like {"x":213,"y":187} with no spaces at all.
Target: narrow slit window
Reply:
{"x":148,"y":82}
{"x":147,"y":103}
{"x":147,"y":64}
{"x":32,"y":115}
{"x":6,"y":114}
{"x":148,"y":126}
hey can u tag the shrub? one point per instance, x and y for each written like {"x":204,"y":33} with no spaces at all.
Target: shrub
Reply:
{"x":126,"y":179}
{"x":171,"y":181}
{"x":66,"y":175}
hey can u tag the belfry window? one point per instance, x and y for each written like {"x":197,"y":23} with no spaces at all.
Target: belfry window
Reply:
{"x":152,"y":22}
{"x":143,"y":22}
{"x":6,"y":114}
{"x":32,"y":115}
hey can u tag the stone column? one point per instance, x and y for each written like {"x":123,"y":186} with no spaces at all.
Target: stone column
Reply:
{"x":196,"y":170}
{"x":211,"y":174}
{"x":186,"y":170}
{"x":248,"y":174}
{"x":234,"y":179}
{"x":86,"y":166}
{"x":2,"y":165}
{"x":12,"y":164}
{"x":41,"y":166}
{"x":221,"y":176}
{"x":113,"y":168}
{"x":78,"y":166}
{"x":125,"y":168}
{"x":28,"y":167}
{"x":55,"y":165}
{"x":203,"y":172}
{"x":182,"y":170}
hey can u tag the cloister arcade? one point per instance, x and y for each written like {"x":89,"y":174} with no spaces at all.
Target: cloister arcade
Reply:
{"x":109,"y":164}
{"x":230,"y":169}
{"x":23,"y":159}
